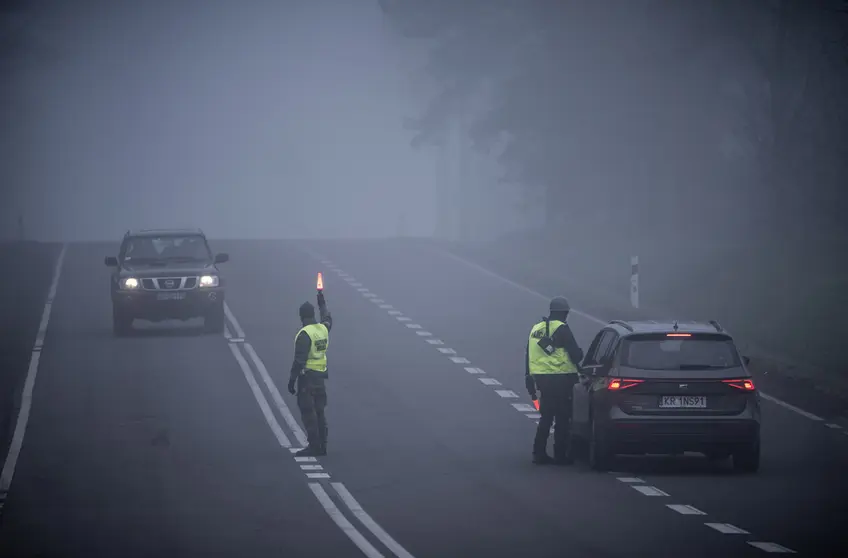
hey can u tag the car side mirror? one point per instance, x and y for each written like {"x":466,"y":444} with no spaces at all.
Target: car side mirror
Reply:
{"x":746,"y":360}
{"x":111,"y":261}
{"x":222,"y":258}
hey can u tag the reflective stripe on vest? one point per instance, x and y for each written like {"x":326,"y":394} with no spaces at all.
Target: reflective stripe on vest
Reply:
{"x":543,"y":363}
{"x":319,"y":338}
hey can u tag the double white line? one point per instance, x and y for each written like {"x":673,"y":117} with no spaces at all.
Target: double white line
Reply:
{"x":244,"y":351}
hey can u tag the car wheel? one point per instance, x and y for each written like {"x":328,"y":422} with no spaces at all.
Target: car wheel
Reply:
{"x":747,"y":458}
{"x":214,"y":320}
{"x":121,"y":323}
{"x":599,"y":453}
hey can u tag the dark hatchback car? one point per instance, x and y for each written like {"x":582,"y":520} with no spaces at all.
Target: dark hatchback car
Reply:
{"x":166,"y":274}
{"x":665,"y":388}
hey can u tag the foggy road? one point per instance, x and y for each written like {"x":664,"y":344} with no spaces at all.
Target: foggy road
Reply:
{"x":159,"y":444}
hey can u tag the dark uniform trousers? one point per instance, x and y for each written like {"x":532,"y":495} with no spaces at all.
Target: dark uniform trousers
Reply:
{"x":555,"y":404}
{"x":311,"y":400}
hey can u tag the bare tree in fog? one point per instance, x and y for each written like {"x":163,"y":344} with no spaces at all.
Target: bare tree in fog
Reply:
{"x":714,"y":132}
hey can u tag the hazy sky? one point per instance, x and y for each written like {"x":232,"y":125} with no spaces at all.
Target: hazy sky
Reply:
{"x":260,"y":118}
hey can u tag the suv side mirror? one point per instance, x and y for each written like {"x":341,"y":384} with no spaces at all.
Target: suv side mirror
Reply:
{"x":746,"y":360}
{"x":222,"y":258}
{"x":111,"y":261}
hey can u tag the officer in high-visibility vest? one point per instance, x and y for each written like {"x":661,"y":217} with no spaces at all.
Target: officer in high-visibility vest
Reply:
{"x":309,"y":371}
{"x":553,"y":359}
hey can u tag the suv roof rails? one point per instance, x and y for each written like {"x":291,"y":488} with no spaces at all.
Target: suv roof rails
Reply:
{"x":717,"y":326}
{"x":623,"y":324}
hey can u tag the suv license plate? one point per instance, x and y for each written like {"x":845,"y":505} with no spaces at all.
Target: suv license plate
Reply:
{"x":683,"y":402}
{"x":170,"y":296}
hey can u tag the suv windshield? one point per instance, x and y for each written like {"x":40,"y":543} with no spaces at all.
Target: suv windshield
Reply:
{"x":153,"y":248}
{"x":690,"y":353}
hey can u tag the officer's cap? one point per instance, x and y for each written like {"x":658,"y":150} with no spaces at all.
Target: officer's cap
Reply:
{"x":559,"y":304}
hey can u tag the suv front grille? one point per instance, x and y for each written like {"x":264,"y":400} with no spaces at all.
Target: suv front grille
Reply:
{"x":168,"y":283}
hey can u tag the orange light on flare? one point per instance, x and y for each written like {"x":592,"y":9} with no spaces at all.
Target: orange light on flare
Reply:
{"x":320,"y":284}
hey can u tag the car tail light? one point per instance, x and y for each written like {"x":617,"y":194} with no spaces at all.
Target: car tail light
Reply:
{"x":744,"y":384}
{"x":617,"y":384}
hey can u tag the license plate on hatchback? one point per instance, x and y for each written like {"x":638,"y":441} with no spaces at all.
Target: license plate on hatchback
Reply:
{"x":683,"y":402}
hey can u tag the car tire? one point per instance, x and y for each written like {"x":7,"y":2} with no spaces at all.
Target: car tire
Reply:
{"x":121,"y":323}
{"x":747,"y":458}
{"x":600,"y":455}
{"x":213,"y":322}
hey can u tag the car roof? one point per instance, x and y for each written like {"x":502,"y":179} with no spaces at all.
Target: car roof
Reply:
{"x":163,"y":232}
{"x":633,"y":327}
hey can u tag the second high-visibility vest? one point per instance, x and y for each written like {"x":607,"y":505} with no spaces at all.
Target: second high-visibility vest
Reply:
{"x":319,"y":338}
{"x":543,"y":363}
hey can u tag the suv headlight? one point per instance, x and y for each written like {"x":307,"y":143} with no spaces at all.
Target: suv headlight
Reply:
{"x":129,"y":283}
{"x":208,"y":281}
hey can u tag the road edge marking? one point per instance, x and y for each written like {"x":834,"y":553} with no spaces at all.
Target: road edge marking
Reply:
{"x":22,"y":420}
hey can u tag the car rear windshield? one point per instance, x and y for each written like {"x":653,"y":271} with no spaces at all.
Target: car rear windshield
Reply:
{"x":698,"y":352}
{"x":171,"y":247}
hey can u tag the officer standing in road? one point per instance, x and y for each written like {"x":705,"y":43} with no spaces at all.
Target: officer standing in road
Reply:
{"x":553,"y":357}
{"x":309,"y":371}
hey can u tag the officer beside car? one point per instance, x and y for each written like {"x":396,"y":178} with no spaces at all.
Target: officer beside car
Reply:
{"x":552,"y":366}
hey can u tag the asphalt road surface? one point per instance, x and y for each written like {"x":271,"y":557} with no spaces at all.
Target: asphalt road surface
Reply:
{"x":177,"y":443}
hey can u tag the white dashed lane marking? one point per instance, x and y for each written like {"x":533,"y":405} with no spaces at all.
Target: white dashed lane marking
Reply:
{"x":649,"y":490}
{"x":727,"y":529}
{"x":834,"y":426}
{"x":771,"y":547}
{"x":311,"y":467}
{"x":685,"y":510}
{"x":524,"y":407}
{"x":530,"y":411}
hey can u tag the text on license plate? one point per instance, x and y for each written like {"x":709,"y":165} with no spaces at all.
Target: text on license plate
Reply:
{"x":170,"y":296}
{"x":683,"y":402}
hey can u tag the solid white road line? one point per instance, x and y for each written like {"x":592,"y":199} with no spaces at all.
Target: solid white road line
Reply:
{"x":236,"y":326}
{"x":346,"y":526}
{"x":275,"y":394}
{"x":22,"y":420}
{"x":369,"y":523}
{"x":792,"y":408}
{"x":260,"y":399}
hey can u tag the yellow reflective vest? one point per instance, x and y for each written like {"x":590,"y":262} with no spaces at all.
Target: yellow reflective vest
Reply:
{"x":541,"y":362}
{"x":320,"y":338}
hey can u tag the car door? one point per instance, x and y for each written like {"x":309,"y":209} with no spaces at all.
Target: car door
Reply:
{"x":581,"y":393}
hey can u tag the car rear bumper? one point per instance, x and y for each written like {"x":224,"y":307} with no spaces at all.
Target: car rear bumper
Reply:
{"x":647,"y":435}
{"x":146,"y":305}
